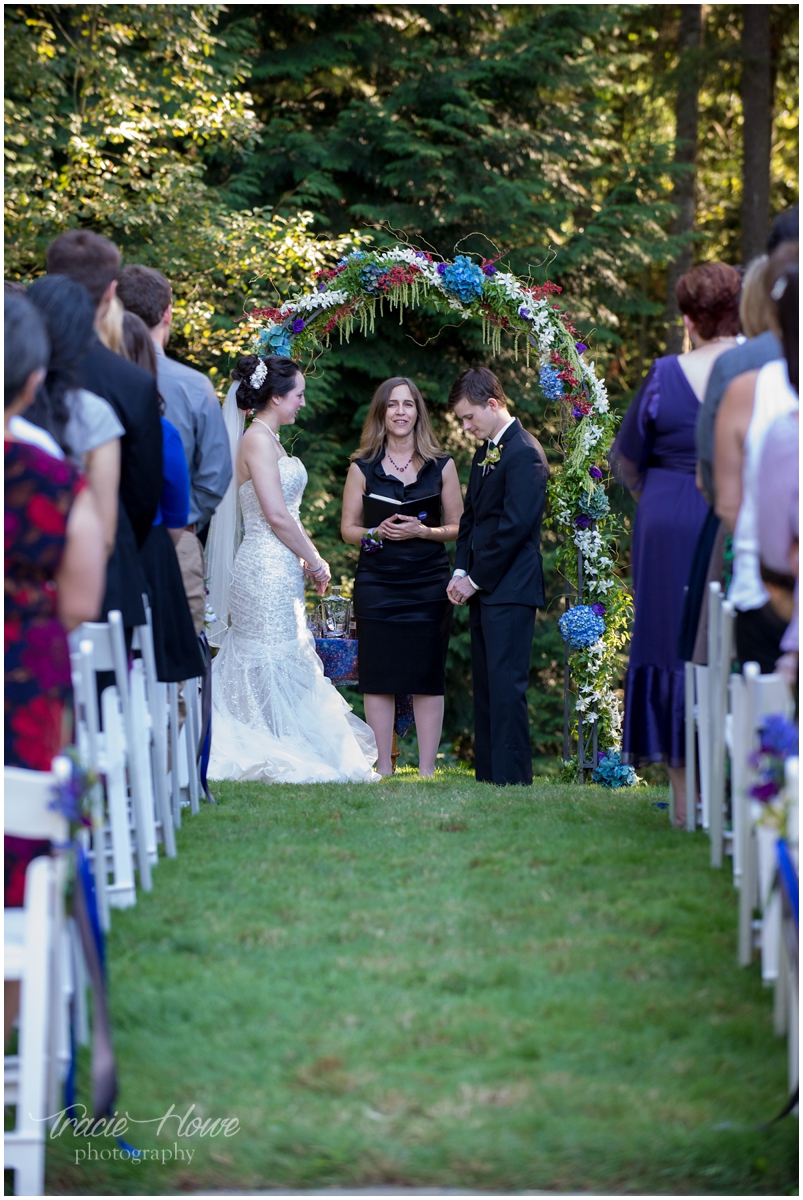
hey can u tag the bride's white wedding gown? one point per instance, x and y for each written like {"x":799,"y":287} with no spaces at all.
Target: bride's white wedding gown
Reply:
{"x":275,"y":717}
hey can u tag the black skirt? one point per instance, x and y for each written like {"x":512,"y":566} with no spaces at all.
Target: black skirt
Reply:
{"x":403,"y":614}
{"x":178,"y":654}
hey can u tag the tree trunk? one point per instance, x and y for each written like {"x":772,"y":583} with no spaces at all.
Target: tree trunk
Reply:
{"x":689,"y":41}
{"x":757,"y":128}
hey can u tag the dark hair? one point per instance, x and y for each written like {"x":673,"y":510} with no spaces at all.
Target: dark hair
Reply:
{"x":280,"y":379}
{"x":27,"y":347}
{"x":12,"y":288}
{"x":145,"y":292}
{"x":88,"y":258}
{"x":709,"y":296}
{"x":138,"y":347}
{"x":477,"y":385}
{"x":68,"y":312}
{"x":785,"y":228}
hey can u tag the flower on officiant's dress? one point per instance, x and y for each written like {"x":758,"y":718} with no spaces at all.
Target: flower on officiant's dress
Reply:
{"x":370,"y":542}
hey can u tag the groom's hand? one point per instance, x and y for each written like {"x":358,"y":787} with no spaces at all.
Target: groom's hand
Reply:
{"x":460,"y":590}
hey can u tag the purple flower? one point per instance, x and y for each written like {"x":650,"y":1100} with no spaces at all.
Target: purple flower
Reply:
{"x":598,"y":609}
{"x":524,"y":312}
{"x":442,"y":268}
{"x":582,"y":521}
{"x":489,"y":269}
{"x":764,"y":791}
{"x":595,"y":472}
{"x":321,"y":287}
{"x":298,"y":325}
{"x":580,"y":348}
{"x":577,"y":413}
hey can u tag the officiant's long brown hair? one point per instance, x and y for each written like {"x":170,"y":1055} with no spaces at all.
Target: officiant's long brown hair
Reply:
{"x":374,"y":432}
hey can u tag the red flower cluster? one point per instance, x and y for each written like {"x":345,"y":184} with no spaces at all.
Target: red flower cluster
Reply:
{"x":328,"y":272}
{"x":332,"y":321}
{"x":397,"y":276}
{"x":543,"y":289}
{"x":493,"y":317}
{"x":270,"y":314}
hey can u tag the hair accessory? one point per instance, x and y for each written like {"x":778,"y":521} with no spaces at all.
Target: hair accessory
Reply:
{"x":779,"y":287}
{"x":259,"y":375}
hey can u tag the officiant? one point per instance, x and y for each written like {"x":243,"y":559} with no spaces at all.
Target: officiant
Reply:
{"x":401,"y":503}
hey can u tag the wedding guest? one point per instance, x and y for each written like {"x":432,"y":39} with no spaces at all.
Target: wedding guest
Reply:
{"x":176,"y":649}
{"x":654,"y":454}
{"x":193,"y":408}
{"x":94,"y":261}
{"x":110,"y":326}
{"x":400,"y":603}
{"x":750,"y":404}
{"x":190,"y":400}
{"x":84,"y":425}
{"x":54,"y":560}
{"x":761,"y":347}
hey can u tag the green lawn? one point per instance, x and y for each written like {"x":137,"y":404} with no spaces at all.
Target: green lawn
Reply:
{"x":440,"y":983}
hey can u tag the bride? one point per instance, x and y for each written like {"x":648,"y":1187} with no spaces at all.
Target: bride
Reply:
{"x":275,"y":717}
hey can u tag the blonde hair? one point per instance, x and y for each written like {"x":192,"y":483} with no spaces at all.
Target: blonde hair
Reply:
{"x":374,"y":432}
{"x":110,"y":327}
{"x":754,"y":304}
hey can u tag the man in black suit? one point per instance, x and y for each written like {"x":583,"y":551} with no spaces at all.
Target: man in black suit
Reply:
{"x":499,"y":573}
{"x":94,"y":261}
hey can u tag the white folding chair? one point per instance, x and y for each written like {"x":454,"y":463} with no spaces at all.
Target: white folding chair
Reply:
{"x":156,"y":700}
{"x":721,"y":641}
{"x":189,"y":735}
{"x":108,"y":654}
{"x":763,"y":696}
{"x":33,"y":957}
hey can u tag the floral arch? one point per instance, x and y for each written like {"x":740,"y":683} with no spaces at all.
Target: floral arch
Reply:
{"x":350,"y":296}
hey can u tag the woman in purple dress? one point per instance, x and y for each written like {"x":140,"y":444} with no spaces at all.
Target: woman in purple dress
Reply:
{"x":654,"y":455}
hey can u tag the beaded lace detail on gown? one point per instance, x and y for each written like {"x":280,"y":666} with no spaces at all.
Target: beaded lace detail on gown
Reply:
{"x":275,"y":717}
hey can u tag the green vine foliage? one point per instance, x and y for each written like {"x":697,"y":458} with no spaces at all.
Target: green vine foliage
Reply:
{"x":368,"y":285}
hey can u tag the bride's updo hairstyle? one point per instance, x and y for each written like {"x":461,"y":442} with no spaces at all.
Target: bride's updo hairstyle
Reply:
{"x":262,"y":378}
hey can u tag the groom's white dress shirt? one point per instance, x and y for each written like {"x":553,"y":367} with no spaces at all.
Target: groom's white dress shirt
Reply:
{"x":494,"y":441}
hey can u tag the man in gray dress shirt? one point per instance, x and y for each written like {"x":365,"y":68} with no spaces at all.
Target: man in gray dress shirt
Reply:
{"x":756,"y":352}
{"x":192,"y":406}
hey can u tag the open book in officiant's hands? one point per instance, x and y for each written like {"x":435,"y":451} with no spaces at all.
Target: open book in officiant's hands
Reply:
{"x":376,"y":509}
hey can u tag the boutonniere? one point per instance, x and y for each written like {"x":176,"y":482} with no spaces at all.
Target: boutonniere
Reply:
{"x":492,"y":457}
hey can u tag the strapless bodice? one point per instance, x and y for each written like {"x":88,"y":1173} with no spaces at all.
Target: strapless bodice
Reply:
{"x":293,"y":476}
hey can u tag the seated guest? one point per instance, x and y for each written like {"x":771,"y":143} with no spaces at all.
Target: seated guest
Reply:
{"x":54,"y":574}
{"x":178,"y":656}
{"x":761,"y":347}
{"x":85,"y":426}
{"x":94,"y":261}
{"x":655,"y":456}
{"x":193,"y":408}
{"x":750,"y":404}
{"x":778,"y":488}
{"x":400,"y":603}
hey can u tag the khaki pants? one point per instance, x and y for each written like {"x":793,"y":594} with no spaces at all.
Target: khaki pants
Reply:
{"x":190,"y":555}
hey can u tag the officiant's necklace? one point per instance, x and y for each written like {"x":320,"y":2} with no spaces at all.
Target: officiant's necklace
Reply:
{"x":401,"y":470}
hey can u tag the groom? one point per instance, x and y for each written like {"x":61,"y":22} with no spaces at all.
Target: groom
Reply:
{"x":498,"y":573}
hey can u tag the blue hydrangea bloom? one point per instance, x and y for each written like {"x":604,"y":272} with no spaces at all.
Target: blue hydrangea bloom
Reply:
{"x":611,"y":772}
{"x":594,"y":503}
{"x":463,"y":278}
{"x":279,"y":341}
{"x":551,"y":386}
{"x":581,"y":626}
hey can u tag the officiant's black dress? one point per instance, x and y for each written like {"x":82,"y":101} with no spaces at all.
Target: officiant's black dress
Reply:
{"x":403,"y":614}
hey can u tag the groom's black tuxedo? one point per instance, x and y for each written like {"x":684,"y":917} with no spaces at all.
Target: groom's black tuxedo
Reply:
{"x":499,"y":546}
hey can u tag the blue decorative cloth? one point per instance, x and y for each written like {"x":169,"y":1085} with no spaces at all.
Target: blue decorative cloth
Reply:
{"x":339,"y":658}
{"x":405,"y":718}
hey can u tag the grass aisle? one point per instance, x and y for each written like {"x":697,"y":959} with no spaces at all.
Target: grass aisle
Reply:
{"x":441,"y":984}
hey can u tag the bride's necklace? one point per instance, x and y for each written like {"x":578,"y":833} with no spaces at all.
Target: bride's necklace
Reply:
{"x":401,"y":470}
{"x":265,"y":425}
